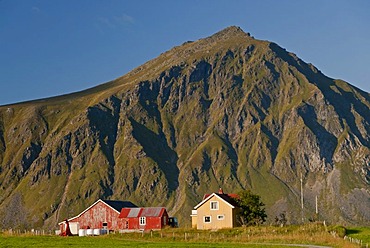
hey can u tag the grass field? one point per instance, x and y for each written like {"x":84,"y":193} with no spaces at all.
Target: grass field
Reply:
{"x":264,"y":236}
{"x":361,"y":233}
{"x":109,"y":242}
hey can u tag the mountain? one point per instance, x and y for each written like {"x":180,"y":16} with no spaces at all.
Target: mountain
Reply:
{"x":226,"y":111}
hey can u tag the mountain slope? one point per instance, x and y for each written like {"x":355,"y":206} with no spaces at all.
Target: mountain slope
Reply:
{"x":226,"y":111}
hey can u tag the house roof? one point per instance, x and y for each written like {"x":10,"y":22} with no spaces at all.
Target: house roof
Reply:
{"x":141,"y":212}
{"x":229,"y":199}
{"x":152,"y":212}
{"x":115,"y":205}
{"x":233,"y":196}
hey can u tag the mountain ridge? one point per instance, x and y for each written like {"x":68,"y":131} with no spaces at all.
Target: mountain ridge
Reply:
{"x":221,"y":35}
{"x":225,"y":111}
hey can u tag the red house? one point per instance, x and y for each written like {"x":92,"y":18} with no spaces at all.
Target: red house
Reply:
{"x":152,"y":218}
{"x":103,"y":214}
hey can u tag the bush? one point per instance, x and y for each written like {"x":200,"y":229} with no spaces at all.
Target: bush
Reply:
{"x":339,"y":231}
{"x":252,"y":211}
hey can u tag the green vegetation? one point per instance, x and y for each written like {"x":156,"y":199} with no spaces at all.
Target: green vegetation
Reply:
{"x":338,"y":230}
{"x":262,"y":236}
{"x":252,"y":211}
{"x":107,"y":242}
{"x":348,"y":179}
{"x":361,"y":233}
{"x":226,"y":111}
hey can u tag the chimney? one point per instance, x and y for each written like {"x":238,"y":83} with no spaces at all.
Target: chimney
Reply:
{"x":220,"y":191}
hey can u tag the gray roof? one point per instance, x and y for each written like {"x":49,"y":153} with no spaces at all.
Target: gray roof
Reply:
{"x":134,"y":212}
{"x":151,"y":212}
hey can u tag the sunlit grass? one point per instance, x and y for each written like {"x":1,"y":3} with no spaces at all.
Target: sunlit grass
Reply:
{"x":263,"y":236}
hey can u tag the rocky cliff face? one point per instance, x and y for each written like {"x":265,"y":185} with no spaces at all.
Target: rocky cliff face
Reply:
{"x":227,"y":111}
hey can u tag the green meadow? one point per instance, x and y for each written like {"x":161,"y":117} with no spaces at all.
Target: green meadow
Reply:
{"x":311,"y":235}
{"x":361,"y":233}
{"x":108,"y":242}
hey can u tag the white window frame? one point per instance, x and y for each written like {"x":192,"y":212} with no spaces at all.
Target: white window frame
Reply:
{"x":217,"y":205}
{"x":204,"y":219}
{"x":220,"y":217}
{"x":142,"y":221}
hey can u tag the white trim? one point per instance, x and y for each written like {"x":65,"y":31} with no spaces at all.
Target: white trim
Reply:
{"x":142,"y":221}
{"x":217,"y":205}
{"x":204,"y":219}
{"x":209,"y":197}
{"x":100,"y":200}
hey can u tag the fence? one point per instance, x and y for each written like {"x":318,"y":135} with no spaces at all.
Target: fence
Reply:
{"x":182,"y":235}
{"x":356,"y":241}
{"x":27,"y":232}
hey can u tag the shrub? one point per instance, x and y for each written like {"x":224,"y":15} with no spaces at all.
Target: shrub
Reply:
{"x":339,"y":231}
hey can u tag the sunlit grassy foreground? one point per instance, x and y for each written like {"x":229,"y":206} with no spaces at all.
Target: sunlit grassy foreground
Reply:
{"x":265,"y":236}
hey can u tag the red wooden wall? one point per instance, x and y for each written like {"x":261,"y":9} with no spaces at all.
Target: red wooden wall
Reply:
{"x":152,"y":223}
{"x":94,"y":218}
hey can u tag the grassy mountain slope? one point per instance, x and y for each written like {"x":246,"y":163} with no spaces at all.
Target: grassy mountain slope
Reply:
{"x":226,"y":111}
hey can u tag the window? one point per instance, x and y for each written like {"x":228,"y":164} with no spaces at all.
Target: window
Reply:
{"x":214,"y":205}
{"x":142,"y":220}
{"x":207,"y":219}
{"x":105,"y":225}
{"x":220,"y":217}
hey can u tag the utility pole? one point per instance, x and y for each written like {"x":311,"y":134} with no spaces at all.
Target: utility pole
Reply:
{"x":302,"y":198}
{"x":317,"y":209}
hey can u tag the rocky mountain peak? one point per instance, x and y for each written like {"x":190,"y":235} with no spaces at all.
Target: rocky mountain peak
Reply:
{"x":225,"y":111}
{"x":229,"y":34}
{"x":231,"y":31}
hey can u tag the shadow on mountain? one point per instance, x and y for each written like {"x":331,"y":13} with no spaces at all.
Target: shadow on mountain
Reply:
{"x":343,"y":102}
{"x":274,"y":143}
{"x":156,"y":147}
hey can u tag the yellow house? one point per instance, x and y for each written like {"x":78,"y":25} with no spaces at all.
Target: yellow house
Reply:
{"x":215,"y":211}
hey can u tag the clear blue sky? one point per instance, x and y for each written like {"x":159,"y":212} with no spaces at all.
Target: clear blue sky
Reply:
{"x":53,"y":47}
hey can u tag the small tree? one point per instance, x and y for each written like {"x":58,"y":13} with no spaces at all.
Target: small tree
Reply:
{"x":252,"y":211}
{"x":281,"y":220}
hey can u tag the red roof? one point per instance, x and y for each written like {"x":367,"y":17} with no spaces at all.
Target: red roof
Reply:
{"x":124,"y":212}
{"x":141,"y":212}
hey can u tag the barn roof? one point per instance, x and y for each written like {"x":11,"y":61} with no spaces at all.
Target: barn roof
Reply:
{"x":118,"y":205}
{"x":142,"y":212}
{"x":115,"y":205}
{"x":129,"y":212}
{"x":151,"y":212}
